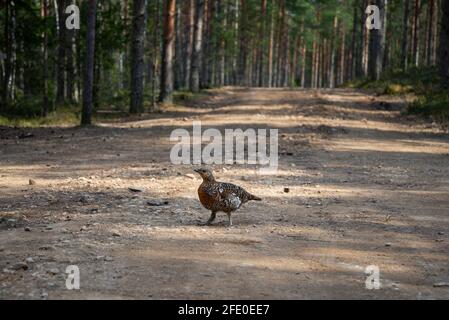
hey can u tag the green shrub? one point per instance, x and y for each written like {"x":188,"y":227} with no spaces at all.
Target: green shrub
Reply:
{"x":432,"y":105}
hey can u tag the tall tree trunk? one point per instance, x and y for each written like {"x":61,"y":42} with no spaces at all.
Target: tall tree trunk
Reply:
{"x":271,"y":46}
{"x":123,"y":59}
{"x":7,"y":63}
{"x":432,"y":15}
{"x":243,"y":46}
{"x":294,"y":64}
{"x":60,"y":64}
{"x":333,"y":54}
{"x":206,"y":44}
{"x":179,"y":66}
{"x":342,"y":73}
{"x":86,"y":118}
{"x":260,"y":57}
{"x":303,"y":65}
{"x":137,"y":56}
{"x":70,"y":69}
{"x":190,"y":31}
{"x":354,"y":54}
{"x":435,"y":33}
{"x":196,"y":55}
{"x":223,"y":11}
{"x":405,"y":33}
{"x":377,"y":43}
{"x":444,"y":45}
{"x":45,"y":99}
{"x":155,"y":54}
{"x":416,"y":33}
{"x":313,"y":81}
{"x":365,"y":42}
{"x":168,"y":52}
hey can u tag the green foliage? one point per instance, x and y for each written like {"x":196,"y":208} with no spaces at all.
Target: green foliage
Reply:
{"x":63,"y":116}
{"x":423,"y":83}
{"x":414,"y":81}
{"x":434,"y":105}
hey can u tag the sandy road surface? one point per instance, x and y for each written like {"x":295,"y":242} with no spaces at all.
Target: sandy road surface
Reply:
{"x":367,"y":187}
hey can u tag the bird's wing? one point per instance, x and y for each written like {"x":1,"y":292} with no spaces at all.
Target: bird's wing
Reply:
{"x":231,"y":195}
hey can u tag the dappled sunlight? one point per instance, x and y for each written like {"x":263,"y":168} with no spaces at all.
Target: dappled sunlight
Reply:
{"x":348,"y":193}
{"x":409,"y":146}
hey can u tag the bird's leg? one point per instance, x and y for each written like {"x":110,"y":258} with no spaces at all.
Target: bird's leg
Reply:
{"x":230,"y":219}
{"x":212,"y":218}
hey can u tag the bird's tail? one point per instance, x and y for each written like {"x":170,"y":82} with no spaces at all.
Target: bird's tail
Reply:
{"x":254,"y":198}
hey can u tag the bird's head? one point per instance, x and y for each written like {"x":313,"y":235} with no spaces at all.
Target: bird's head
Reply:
{"x":206,"y":174}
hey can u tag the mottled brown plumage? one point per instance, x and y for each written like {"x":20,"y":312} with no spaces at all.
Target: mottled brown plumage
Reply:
{"x":221,"y":197}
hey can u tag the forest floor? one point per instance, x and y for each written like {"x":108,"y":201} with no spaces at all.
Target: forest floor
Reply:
{"x":368,"y":186}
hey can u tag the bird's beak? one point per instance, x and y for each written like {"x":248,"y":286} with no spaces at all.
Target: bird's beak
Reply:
{"x":197,"y":170}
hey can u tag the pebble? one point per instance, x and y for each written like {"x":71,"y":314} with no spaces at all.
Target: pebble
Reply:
{"x":441,"y":285}
{"x":29,"y":260}
{"x":6,"y":270}
{"x":31,"y":182}
{"x":47,"y":248}
{"x":27,"y":229}
{"x":157,"y":203}
{"x":53,"y":271}
{"x":19,"y":266}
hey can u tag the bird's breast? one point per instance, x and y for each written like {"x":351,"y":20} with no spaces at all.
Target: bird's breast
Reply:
{"x":207,"y":195}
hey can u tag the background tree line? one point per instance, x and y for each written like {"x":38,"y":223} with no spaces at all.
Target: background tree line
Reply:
{"x":137,"y":53}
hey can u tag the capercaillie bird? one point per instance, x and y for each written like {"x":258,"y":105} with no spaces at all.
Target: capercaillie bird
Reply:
{"x":221,"y":197}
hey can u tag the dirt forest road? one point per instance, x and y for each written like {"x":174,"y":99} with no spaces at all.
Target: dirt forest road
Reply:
{"x":368,"y":186}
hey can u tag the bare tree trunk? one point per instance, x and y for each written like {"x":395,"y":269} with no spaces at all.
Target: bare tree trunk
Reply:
{"x":168,"y":52}
{"x":405,"y":32}
{"x":243,"y":53}
{"x":294,"y":64}
{"x":342,"y":73}
{"x":321,"y":60}
{"x":86,"y":118}
{"x":155,"y":66}
{"x":137,"y":56}
{"x":206,"y":44}
{"x":260,"y":56}
{"x":377,"y":43}
{"x":365,"y":42}
{"x":435,"y":33}
{"x":303,"y":65}
{"x":444,"y":45}
{"x":178,"y":60}
{"x":223,"y":11}
{"x":190,"y":30}
{"x":432,"y":15}
{"x":70,"y":70}
{"x":416,"y":28}
{"x":353,"y":55}
{"x":196,"y":55}
{"x":123,"y":58}
{"x":333,"y":55}
{"x":271,"y":47}
{"x":7,"y":63}
{"x":45,"y":99}
{"x":60,"y":64}
{"x":313,"y":83}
